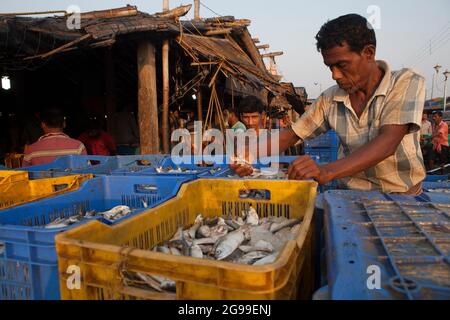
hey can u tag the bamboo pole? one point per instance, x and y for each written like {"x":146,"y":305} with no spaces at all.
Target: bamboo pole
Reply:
{"x":147,"y":98}
{"x":165,"y":114}
{"x":196,"y":10}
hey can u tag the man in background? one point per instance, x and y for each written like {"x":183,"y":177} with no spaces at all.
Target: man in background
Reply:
{"x":97,"y":141}
{"x":439,"y":148}
{"x":54,"y":143}
{"x":233,"y":121}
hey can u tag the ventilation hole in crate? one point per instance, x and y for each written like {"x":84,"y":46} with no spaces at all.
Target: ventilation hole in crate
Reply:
{"x":351,"y":262}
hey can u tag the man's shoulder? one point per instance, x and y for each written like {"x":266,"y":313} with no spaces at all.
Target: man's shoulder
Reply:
{"x":406,"y":74}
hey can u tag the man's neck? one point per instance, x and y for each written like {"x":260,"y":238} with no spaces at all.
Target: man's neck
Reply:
{"x":52,"y":131}
{"x":373,"y":82}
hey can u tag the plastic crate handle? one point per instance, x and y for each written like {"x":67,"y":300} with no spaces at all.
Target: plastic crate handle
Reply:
{"x":254,"y":194}
{"x":146,"y":188}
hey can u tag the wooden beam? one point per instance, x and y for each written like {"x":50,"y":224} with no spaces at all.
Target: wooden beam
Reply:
{"x":165,"y":114}
{"x":256,"y":40}
{"x":272,"y":54}
{"x":196,"y":10}
{"x":251,"y":50}
{"x":263,"y":46}
{"x":218,"y":31}
{"x":147,"y":98}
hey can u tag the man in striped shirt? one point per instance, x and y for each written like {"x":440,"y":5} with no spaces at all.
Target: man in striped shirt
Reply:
{"x":375,"y":111}
{"x":53,"y":143}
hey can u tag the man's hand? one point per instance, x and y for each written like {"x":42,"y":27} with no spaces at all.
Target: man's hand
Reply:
{"x":242,"y":170}
{"x":306,"y":168}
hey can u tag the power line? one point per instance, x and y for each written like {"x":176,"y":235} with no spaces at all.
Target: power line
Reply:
{"x":432,"y":48}
{"x":432,"y":41}
{"x":205,"y":6}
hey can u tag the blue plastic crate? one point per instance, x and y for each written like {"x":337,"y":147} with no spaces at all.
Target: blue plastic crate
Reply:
{"x":437,"y":187}
{"x":405,"y":239}
{"x":323,"y":155}
{"x":436,"y":178}
{"x":326,"y":140}
{"x":28,"y":265}
{"x":100,"y":165}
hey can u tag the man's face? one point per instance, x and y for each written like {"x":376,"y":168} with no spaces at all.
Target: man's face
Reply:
{"x":437,"y":118}
{"x":424,"y":117}
{"x":349,"y":69}
{"x":252,"y":120}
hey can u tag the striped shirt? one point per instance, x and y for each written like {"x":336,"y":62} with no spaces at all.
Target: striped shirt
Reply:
{"x":49,"y":147}
{"x":398,"y":100}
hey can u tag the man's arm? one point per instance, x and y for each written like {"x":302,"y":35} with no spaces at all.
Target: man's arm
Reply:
{"x":377,"y":150}
{"x":287,"y":138}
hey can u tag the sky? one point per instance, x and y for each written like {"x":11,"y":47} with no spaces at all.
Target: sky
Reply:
{"x":410,"y":33}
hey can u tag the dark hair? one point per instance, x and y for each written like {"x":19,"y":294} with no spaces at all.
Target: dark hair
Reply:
{"x":251,"y":104}
{"x":53,"y":118}
{"x":439,"y":113}
{"x":352,"y":29}
{"x":233,"y":110}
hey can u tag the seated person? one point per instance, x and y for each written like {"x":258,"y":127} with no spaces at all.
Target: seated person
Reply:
{"x":53,"y":143}
{"x":97,"y":141}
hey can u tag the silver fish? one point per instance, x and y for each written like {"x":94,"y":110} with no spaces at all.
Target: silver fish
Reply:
{"x":204,"y":241}
{"x":174,"y":251}
{"x":229,"y":243}
{"x":163,"y":249}
{"x":206,"y":249}
{"x":204,"y":232}
{"x":275,"y":227}
{"x":196,"y":252}
{"x":266,"y":260}
{"x":116,"y":213}
{"x":252,"y":217}
{"x":197,"y":224}
{"x":211,"y":222}
{"x":251,"y":257}
{"x":178,"y":235}
{"x":150,"y":281}
{"x":261,"y":245}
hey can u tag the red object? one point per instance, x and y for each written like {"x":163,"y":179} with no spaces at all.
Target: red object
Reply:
{"x":103,"y":145}
{"x":49,"y":147}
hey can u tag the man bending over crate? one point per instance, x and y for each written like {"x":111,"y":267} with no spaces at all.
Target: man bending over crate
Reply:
{"x":376,"y":113}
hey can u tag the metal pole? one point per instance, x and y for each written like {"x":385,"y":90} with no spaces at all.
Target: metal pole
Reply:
{"x":446,"y":74}
{"x":437,"y":67}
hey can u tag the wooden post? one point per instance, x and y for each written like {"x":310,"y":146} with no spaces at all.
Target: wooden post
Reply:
{"x":199,"y":103}
{"x":147,"y":98}
{"x":165,"y":114}
{"x":196,"y":10}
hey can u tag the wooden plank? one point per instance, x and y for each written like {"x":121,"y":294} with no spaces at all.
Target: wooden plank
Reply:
{"x":147,"y":98}
{"x":256,"y":40}
{"x":250,"y":48}
{"x":165,"y":114}
{"x":196,"y":10}
{"x":61,"y":48}
{"x":272,"y":54}
{"x":218,"y":31}
{"x":263,"y":46}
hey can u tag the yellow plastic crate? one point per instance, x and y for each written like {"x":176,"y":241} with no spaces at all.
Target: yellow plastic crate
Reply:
{"x":13,"y":160}
{"x":7,"y":177}
{"x":20,"y":190}
{"x":103,"y":252}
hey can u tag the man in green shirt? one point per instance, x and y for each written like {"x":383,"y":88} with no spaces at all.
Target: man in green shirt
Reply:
{"x":233,"y":121}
